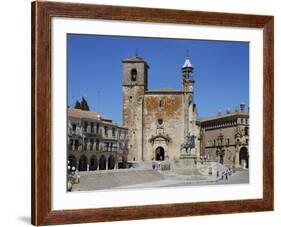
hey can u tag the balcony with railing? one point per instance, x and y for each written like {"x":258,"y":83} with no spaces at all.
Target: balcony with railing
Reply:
{"x":91,"y":130}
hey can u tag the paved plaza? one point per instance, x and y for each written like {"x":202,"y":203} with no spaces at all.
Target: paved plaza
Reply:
{"x":136,"y":178}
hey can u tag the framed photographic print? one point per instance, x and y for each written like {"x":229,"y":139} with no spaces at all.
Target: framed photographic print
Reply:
{"x":144,"y":113}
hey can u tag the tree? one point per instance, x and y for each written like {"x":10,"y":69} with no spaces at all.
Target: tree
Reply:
{"x":77,"y":105}
{"x":83,"y":105}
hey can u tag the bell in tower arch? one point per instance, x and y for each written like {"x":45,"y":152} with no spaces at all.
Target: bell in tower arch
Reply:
{"x":134,"y":74}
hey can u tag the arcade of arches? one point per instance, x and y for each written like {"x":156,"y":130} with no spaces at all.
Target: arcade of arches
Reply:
{"x":94,"y":163}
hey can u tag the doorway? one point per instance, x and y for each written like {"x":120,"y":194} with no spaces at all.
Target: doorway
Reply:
{"x":160,"y":154}
{"x":102,"y":163}
{"x":244,"y":158}
{"x":83,"y":163}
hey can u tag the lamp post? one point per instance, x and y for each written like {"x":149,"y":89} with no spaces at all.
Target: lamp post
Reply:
{"x":71,"y":178}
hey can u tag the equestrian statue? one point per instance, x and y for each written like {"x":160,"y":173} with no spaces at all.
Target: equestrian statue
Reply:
{"x":189,"y":143}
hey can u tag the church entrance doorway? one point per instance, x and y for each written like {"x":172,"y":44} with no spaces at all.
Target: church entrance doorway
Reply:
{"x":159,"y":154}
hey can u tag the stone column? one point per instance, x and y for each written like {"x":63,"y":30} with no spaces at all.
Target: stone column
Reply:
{"x":77,"y":164}
{"x":116,"y":161}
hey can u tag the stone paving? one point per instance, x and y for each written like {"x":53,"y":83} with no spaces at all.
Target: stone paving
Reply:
{"x":240,"y":177}
{"x":112,"y":179}
{"x":144,"y":177}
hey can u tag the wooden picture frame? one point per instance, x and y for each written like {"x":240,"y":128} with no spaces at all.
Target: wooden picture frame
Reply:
{"x":42,"y":12}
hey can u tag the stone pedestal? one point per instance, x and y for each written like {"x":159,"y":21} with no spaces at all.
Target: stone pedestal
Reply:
{"x":189,"y":160}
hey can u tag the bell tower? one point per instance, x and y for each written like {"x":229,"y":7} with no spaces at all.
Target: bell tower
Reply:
{"x":188,"y":91}
{"x":187,"y":76}
{"x":134,"y":86}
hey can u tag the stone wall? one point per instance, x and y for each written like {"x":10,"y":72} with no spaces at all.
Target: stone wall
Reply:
{"x":229,"y":143}
{"x":143,"y":110}
{"x":133,"y":92}
{"x":132,"y":119}
{"x":169,"y":109}
{"x":211,"y":148}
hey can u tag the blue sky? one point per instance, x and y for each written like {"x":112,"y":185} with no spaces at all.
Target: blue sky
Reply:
{"x":221,"y":70}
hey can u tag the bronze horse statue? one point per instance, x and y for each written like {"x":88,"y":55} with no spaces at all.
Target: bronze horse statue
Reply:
{"x":189,"y":143}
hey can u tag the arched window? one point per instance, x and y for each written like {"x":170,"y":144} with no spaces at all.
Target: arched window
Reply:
{"x":85,"y":126}
{"x":105,"y":130}
{"x":98,"y":128}
{"x":93,"y":163}
{"x":83,"y":163}
{"x":92,"y":144}
{"x":102,"y":163}
{"x":113,"y":132}
{"x":85,"y":144}
{"x":70,"y":144}
{"x":246,"y":131}
{"x":111,"y":162}
{"x":76,"y":144}
{"x":97,"y":145}
{"x":134,"y":75}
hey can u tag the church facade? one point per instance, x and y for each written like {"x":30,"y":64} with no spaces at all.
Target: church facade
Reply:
{"x":158,"y":121}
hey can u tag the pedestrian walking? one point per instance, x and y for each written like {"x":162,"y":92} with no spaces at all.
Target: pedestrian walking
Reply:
{"x":230,"y":171}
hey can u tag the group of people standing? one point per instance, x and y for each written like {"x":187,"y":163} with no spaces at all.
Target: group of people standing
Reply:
{"x":224,"y":175}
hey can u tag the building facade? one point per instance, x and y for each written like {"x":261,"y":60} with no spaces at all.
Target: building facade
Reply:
{"x":94,"y":142}
{"x":155,"y":126}
{"x":225,"y":138}
{"x":157,"y":120}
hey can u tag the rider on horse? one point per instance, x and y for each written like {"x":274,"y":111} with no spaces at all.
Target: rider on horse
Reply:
{"x":189,"y":143}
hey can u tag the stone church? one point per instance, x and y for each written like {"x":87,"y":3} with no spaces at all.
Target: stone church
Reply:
{"x":158,"y":120}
